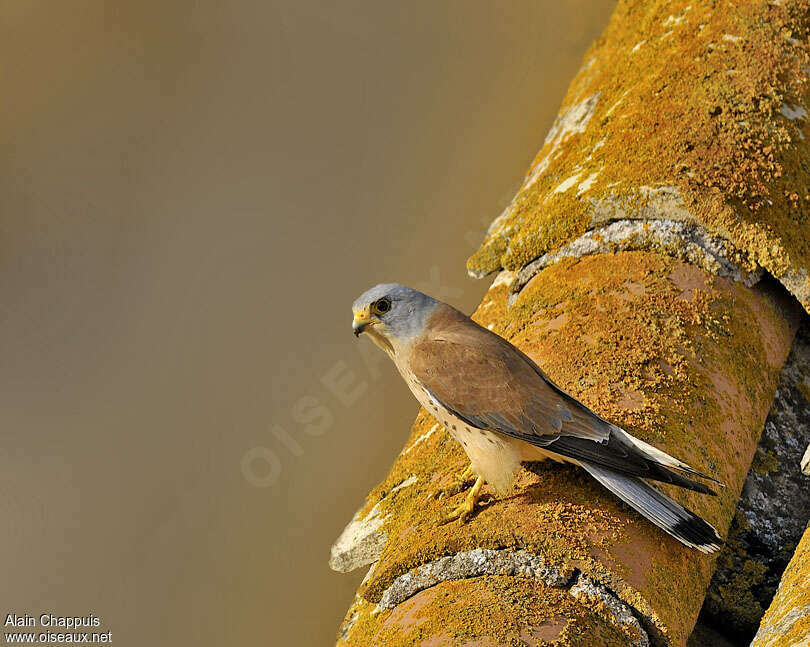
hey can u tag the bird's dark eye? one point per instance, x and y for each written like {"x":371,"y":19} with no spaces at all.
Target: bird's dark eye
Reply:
{"x":382,"y":306}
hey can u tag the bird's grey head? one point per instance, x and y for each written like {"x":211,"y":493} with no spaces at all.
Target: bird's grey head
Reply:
{"x":391,"y":314}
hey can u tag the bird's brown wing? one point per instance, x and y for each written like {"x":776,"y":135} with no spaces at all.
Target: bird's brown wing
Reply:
{"x":492,"y":385}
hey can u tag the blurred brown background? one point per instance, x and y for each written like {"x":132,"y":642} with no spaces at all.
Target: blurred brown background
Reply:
{"x":192,"y":195}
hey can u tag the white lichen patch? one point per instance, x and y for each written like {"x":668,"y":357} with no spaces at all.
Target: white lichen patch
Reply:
{"x":616,"y":105}
{"x":587,"y":183}
{"x":362,"y":541}
{"x":407,"y":482}
{"x":505,"y":277}
{"x":638,"y":46}
{"x":792,"y":111}
{"x":571,"y":121}
{"x":731,"y":38}
{"x":423,"y":438}
{"x":566,"y":184}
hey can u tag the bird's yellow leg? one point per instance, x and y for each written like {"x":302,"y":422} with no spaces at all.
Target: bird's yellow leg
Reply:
{"x":458,"y":483}
{"x":465,"y":510}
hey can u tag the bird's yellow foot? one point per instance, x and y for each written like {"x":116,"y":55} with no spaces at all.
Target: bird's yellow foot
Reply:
{"x":465,"y":510}
{"x":457,"y":485}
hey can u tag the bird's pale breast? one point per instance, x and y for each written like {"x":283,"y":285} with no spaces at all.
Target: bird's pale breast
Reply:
{"x":493,"y":456}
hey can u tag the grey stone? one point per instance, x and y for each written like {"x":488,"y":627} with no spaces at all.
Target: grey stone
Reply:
{"x":363,"y":540}
{"x":646,"y":203}
{"x":472,"y":563}
{"x":619,"y":613}
{"x":360,"y":543}
{"x":687,"y":241}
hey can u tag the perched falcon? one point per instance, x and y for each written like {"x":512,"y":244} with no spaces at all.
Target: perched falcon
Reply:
{"x":503,"y":410}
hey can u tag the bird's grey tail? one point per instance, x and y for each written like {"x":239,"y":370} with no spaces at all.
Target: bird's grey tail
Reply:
{"x":673,"y":518}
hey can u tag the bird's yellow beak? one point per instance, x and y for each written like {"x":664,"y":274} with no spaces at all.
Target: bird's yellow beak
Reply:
{"x":362,"y":320}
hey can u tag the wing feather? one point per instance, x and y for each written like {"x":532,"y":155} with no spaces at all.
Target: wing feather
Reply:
{"x":491,"y":385}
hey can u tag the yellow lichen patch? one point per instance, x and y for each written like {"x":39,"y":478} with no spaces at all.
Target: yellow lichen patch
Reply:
{"x":486,"y":612}
{"x":787,"y":620}
{"x":764,"y":462}
{"x":698,"y":355}
{"x":735,"y":597}
{"x":705,"y":121}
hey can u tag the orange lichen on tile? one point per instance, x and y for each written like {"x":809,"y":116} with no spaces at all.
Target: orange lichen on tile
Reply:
{"x":688,"y":110}
{"x":787,"y":621}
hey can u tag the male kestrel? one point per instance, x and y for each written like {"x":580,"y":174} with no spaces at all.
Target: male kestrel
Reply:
{"x":502,"y":408}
